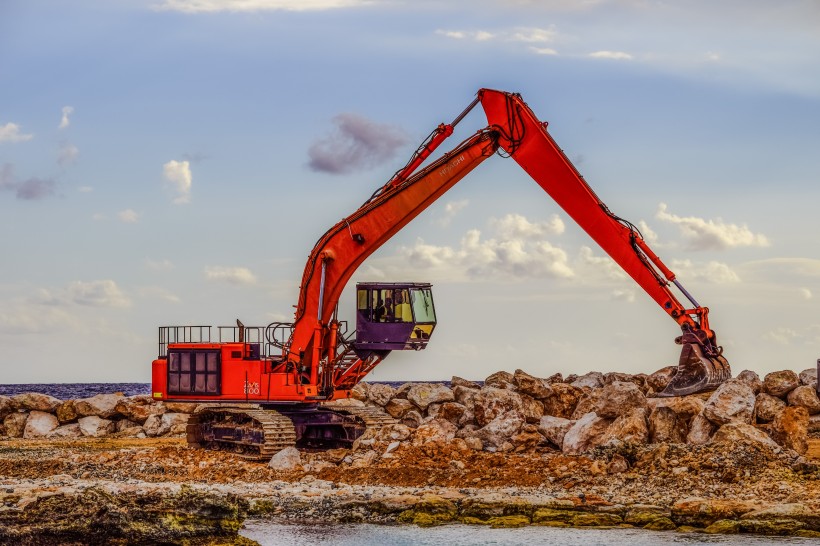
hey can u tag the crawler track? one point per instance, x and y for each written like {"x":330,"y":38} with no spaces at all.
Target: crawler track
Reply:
{"x":250,"y":431}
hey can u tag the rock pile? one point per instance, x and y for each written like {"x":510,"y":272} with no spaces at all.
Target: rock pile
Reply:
{"x":36,"y":415}
{"x":514,"y":412}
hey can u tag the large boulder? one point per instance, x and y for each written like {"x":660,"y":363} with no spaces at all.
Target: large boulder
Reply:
{"x":501,"y":429}
{"x":69,"y":431}
{"x":629,"y":428}
{"x":380,"y":394}
{"x":500,"y":379}
{"x":424,"y":394}
{"x":435,"y":430}
{"x":780,"y":383}
{"x":457,"y":381}
{"x":451,"y":411}
{"x":398,"y":407}
{"x":138,"y":408}
{"x":562,"y":401}
{"x":95,"y":426}
{"x":7,"y":406}
{"x":665,"y":427}
{"x":554,"y":429}
{"x":101,"y":405}
{"x":530,"y":385}
{"x":805,"y":396}
{"x":592,"y":380}
{"x":15,"y":424}
{"x":661,"y":378}
{"x":701,"y":430}
{"x":767,"y":407}
{"x":490,"y":402}
{"x":286,"y":460}
{"x":39,"y":424}
{"x":166,"y":424}
{"x":734,"y":433}
{"x":752,"y":379}
{"x":790,"y":429}
{"x":619,"y":398}
{"x":66,"y":413}
{"x":809,"y":377}
{"x":585,"y":434}
{"x":734,"y":400}
{"x":35,"y":401}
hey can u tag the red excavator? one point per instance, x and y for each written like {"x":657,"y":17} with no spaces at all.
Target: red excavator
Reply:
{"x":266,"y":388}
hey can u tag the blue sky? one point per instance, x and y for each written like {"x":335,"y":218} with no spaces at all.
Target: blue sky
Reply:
{"x":174,"y":161}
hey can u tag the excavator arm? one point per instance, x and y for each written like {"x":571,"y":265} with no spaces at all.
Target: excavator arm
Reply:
{"x":514,"y":128}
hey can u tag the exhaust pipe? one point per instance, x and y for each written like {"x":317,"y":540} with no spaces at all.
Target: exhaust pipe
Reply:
{"x":701,"y":367}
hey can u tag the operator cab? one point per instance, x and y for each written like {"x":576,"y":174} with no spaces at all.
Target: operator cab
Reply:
{"x":394,"y":316}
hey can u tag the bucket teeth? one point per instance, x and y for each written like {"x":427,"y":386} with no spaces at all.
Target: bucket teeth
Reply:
{"x":697,"y":372}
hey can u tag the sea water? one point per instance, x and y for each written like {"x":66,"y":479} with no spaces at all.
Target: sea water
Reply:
{"x":269,"y":533}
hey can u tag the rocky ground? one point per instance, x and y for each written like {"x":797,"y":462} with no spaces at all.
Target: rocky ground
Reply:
{"x":616,"y":459}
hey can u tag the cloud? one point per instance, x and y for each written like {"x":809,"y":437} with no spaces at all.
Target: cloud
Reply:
{"x":178,"y":176}
{"x":10,"y":132}
{"x":514,"y":226}
{"x":451,"y":210}
{"x":357,"y":144}
{"x":128,"y":216}
{"x":527,"y":35}
{"x":161,"y":265}
{"x":587,"y":260}
{"x":67,"y":155}
{"x":781,"y":336}
{"x":85,"y":189}
{"x":614,"y":55}
{"x":712,"y":272}
{"x":212,"y":6}
{"x":64,"y":121}
{"x":474,"y":35}
{"x":101,"y":293}
{"x":805,"y":293}
{"x":232,"y":275}
{"x":710,"y":234}
{"x":29,"y":190}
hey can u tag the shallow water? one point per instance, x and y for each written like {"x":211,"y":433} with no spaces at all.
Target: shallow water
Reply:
{"x":268,"y":533}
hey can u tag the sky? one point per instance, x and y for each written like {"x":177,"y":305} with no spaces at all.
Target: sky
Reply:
{"x":173,"y":162}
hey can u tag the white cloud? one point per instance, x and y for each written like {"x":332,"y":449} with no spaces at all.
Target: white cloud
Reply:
{"x":128,"y":216}
{"x":159,"y":293}
{"x":10,"y":132}
{"x":64,"y":121}
{"x":67,"y":155}
{"x":588,"y":260}
{"x":514,"y":226}
{"x":710,"y":234}
{"x":614,"y":55}
{"x":211,"y":6}
{"x":85,"y":189}
{"x":161,"y":265}
{"x":232,"y":275}
{"x":451,"y":209}
{"x":532,"y":35}
{"x":102,"y":293}
{"x":712,"y":272}
{"x":805,"y":293}
{"x":648,"y":234}
{"x":529,"y":35}
{"x":781,"y":336}
{"x":543,"y":51}
{"x":178,"y":175}
{"x":624,"y":295}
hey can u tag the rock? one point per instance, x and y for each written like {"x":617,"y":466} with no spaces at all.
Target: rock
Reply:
{"x":424,"y":394}
{"x":451,"y":411}
{"x":619,"y":398}
{"x":180,"y":407}
{"x":34,"y":401}
{"x":380,"y":394}
{"x":95,"y":426}
{"x":562,"y":401}
{"x":629,"y":428}
{"x":699,"y":512}
{"x":701,"y":430}
{"x":499,"y":379}
{"x":531,"y":409}
{"x":412,"y":419}
{"x":138,"y":408}
{"x":808,"y":377}
{"x":100,"y":405}
{"x":805,"y":396}
{"x":66,"y":413}
{"x":501,"y":429}
{"x":123,"y":424}
{"x":780,"y":383}
{"x":490,"y":402}
{"x":397,"y":432}
{"x":592,"y":380}
{"x":790,"y":429}
{"x":665,"y":427}
{"x":436,"y":430}
{"x":359,"y":391}
{"x":530,"y":385}
{"x":398,"y":407}
{"x":7,"y":406}
{"x":39,"y":424}
{"x":617,"y":465}
{"x":732,"y":401}
{"x":661,"y":378}
{"x":460,"y":382}
{"x":173,"y":424}
{"x":286,"y":460}
{"x":15,"y":424}
{"x":554,"y":429}
{"x":72,"y":431}
{"x":585,"y":434}
{"x":464,"y":395}
{"x":767,"y":407}
{"x":735,"y":432}
{"x":752,"y":379}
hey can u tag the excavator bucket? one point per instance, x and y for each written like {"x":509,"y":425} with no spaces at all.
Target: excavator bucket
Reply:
{"x":697,"y":371}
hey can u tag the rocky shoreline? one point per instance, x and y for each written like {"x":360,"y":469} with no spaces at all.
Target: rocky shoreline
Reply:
{"x":515,"y":450}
